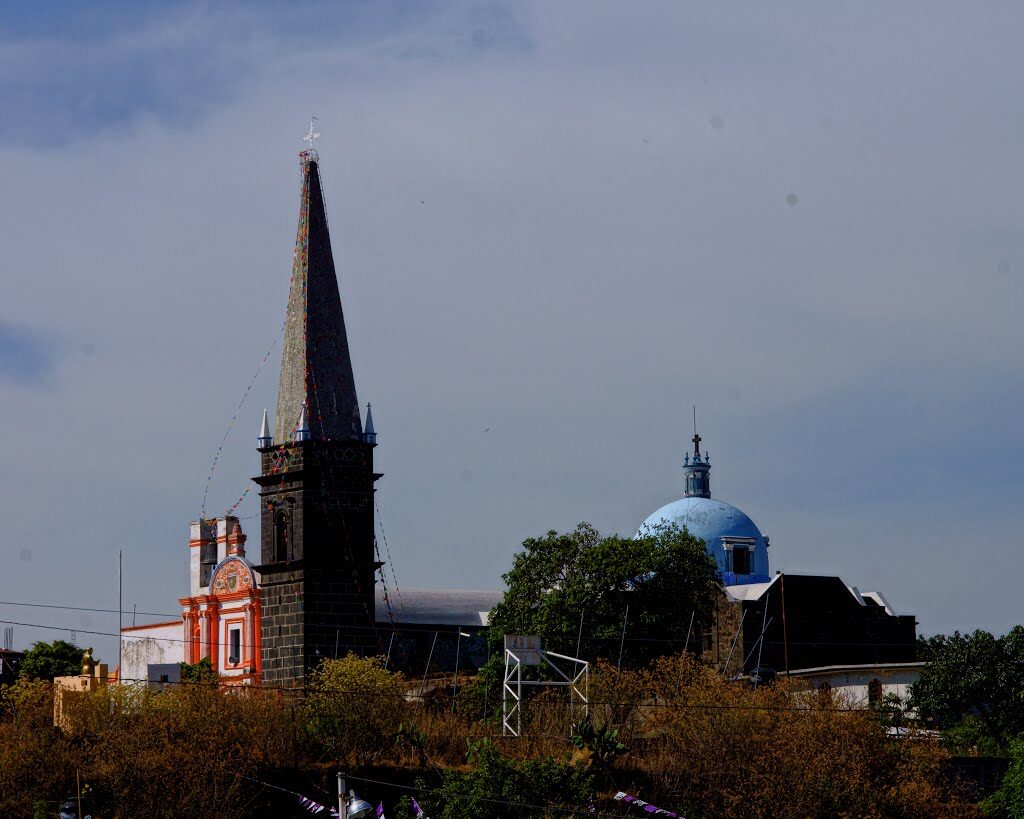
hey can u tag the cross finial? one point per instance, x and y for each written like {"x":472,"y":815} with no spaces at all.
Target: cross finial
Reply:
{"x":312,"y":135}
{"x":696,"y":444}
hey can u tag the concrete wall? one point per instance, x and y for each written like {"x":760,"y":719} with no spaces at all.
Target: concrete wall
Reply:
{"x":853,"y":682}
{"x":140,"y":646}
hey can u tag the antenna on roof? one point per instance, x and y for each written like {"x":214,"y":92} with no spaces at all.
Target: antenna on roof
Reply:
{"x":694,"y":419}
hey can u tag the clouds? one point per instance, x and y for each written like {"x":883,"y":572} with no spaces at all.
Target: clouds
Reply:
{"x":604,"y":239}
{"x":70,"y":75}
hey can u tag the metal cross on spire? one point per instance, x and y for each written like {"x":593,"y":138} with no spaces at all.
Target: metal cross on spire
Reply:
{"x":312,"y":135}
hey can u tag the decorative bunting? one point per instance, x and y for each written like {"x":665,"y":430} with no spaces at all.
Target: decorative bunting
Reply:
{"x":231,"y":424}
{"x":316,"y":807}
{"x":418,"y":810}
{"x":647,"y":807}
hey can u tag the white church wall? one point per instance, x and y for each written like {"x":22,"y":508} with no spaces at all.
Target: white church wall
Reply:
{"x":141,"y":646}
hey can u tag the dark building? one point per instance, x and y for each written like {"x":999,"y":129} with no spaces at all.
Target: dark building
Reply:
{"x":433,"y":630}
{"x":316,"y":474}
{"x":808,"y":622}
{"x":10,"y":661}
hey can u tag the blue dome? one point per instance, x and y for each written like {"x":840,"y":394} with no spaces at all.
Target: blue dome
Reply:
{"x":724,"y":530}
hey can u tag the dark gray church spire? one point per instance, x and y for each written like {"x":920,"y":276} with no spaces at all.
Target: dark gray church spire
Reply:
{"x":316,"y":369}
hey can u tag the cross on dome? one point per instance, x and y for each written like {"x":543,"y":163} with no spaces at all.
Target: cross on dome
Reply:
{"x":696,"y":445}
{"x":312,"y":135}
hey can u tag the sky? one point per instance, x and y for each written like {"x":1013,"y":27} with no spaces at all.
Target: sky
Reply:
{"x":557,"y":226}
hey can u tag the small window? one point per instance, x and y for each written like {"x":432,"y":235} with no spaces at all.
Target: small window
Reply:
{"x":234,"y":646}
{"x":740,"y":560}
{"x":281,"y":537}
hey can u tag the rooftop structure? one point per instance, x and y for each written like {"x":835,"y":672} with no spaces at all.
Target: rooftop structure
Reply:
{"x":731,"y":537}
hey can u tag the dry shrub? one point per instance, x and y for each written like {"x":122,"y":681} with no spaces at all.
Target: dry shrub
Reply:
{"x":723,"y":748}
{"x":695,"y":742}
{"x":35,"y":761}
{"x":191,"y":747}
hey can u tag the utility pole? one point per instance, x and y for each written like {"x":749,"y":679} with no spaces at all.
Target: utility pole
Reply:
{"x":342,"y":807}
{"x":785,"y":640}
{"x":120,"y":671}
{"x":459,"y":634}
{"x":622,"y":644}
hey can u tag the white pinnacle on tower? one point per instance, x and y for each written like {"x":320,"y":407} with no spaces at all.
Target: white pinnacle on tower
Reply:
{"x":302,"y":430}
{"x":265,"y":440}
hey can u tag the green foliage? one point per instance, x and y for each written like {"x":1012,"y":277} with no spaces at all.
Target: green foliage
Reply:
{"x":601,"y":744}
{"x":44,"y":661}
{"x":1009,"y":799}
{"x":974,"y":675}
{"x":352,"y":707}
{"x":201,"y":672}
{"x":971,"y":737}
{"x":558,"y":578}
{"x":409,"y":735}
{"x":517,"y":787}
{"x":474,"y":697}
{"x":891,"y":710}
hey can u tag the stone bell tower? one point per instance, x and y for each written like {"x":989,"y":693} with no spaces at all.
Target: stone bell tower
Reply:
{"x":317,"y":560}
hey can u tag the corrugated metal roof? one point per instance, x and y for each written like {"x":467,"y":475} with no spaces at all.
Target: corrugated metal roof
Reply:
{"x":443,"y":607}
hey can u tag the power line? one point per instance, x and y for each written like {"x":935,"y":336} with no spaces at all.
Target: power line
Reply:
{"x":412,"y":628}
{"x":573,"y":811}
{"x":86,"y":608}
{"x":659,"y":702}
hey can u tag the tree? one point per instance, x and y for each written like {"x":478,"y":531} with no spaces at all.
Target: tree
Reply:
{"x":501,"y":787}
{"x":200,"y":673}
{"x":561,"y":580}
{"x":975,"y":678}
{"x":1009,"y":799}
{"x":44,"y":661}
{"x":353,"y":707}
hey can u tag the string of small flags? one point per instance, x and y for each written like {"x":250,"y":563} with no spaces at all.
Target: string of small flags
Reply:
{"x":316,"y":808}
{"x":647,"y":807}
{"x":234,"y":418}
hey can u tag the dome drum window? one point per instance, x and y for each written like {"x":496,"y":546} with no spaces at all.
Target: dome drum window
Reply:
{"x":739,"y":554}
